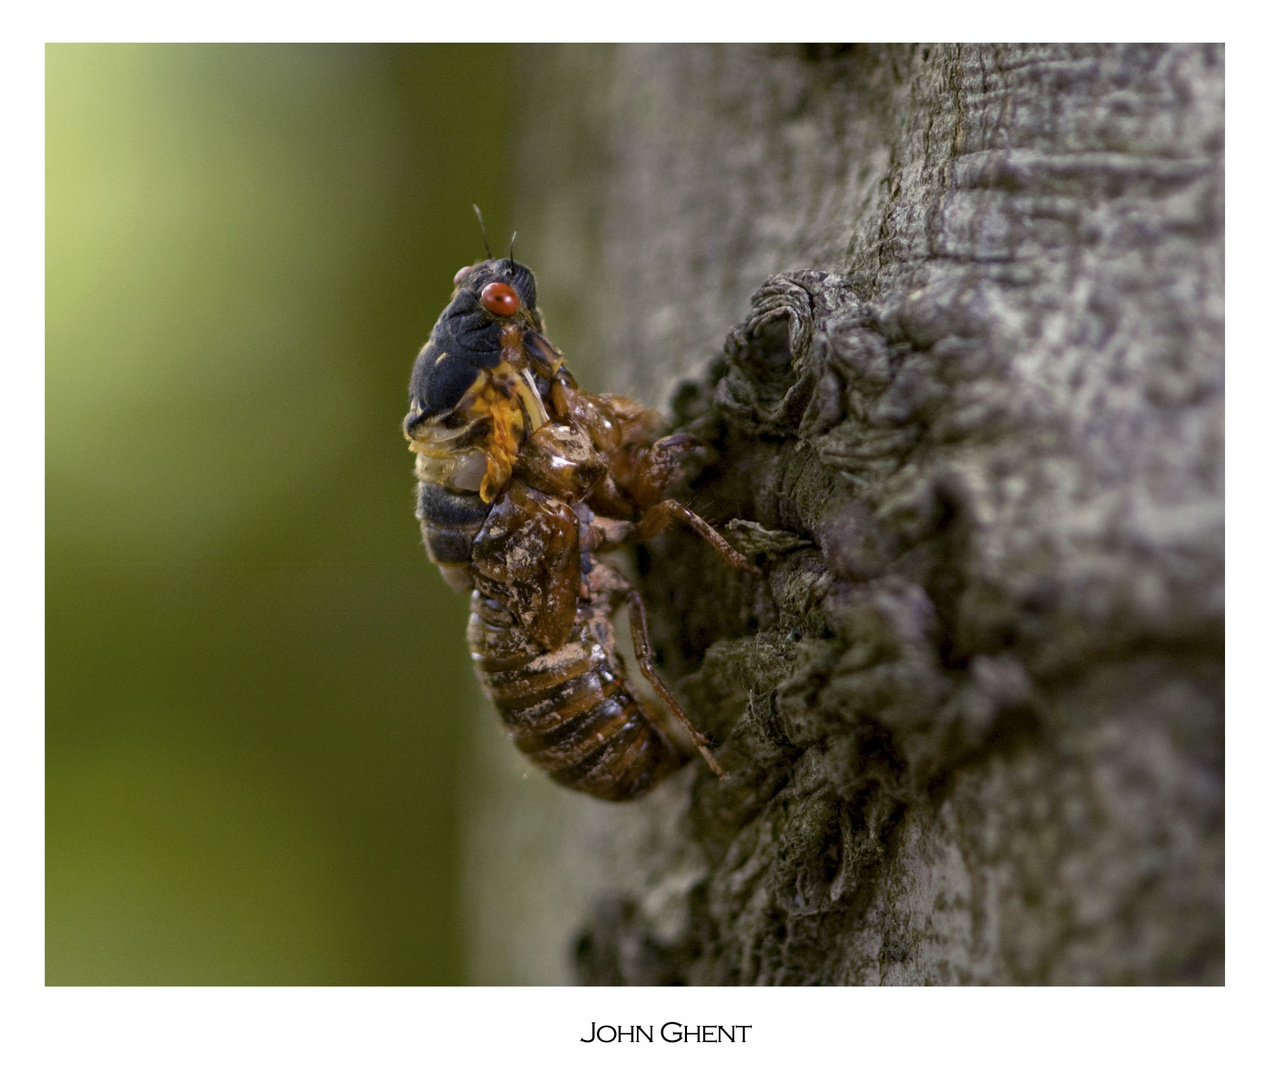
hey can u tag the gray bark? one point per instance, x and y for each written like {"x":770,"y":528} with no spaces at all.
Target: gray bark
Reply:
{"x":951,"y":321}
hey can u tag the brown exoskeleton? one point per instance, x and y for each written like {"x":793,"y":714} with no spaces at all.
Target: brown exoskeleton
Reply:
{"x":523,"y":480}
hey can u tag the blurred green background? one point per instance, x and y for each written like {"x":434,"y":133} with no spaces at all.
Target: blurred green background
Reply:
{"x":256,"y":683}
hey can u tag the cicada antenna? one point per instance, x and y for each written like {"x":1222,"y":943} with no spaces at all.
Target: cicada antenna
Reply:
{"x":480,"y":218}
{"x":512,"y":248}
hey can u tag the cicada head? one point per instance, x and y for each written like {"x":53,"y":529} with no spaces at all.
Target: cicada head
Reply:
{"x":467,"y":338}
{"x":476,"y":390}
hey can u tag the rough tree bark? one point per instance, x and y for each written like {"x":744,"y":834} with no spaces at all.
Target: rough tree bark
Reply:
{"x":951,"y":321}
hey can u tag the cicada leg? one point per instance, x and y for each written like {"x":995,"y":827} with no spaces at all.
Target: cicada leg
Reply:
{"x":615,"y":590}
{"x":656,"y":519}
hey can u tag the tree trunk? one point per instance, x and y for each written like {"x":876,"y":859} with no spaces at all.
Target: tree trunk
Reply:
{"x":969,"y":417}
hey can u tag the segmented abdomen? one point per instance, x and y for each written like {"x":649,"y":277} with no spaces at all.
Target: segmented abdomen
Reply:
{"x":566,"y":709}
{"x":450,"y":522}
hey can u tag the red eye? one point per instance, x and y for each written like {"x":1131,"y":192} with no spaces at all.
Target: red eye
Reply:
{"x":500,"y":298}
{"x":461,"y":274}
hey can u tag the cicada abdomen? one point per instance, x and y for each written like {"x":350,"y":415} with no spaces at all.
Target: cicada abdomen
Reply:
{"x":567,"y":709}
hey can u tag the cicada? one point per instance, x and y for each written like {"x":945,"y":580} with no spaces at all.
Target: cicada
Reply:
{"x":525,"y":482}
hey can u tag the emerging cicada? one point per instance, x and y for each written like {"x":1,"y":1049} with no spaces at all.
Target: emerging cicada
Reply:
{"x":523,"y":480}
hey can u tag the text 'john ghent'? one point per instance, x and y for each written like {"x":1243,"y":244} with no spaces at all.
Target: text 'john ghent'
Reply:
{"x":671,"y":1031}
